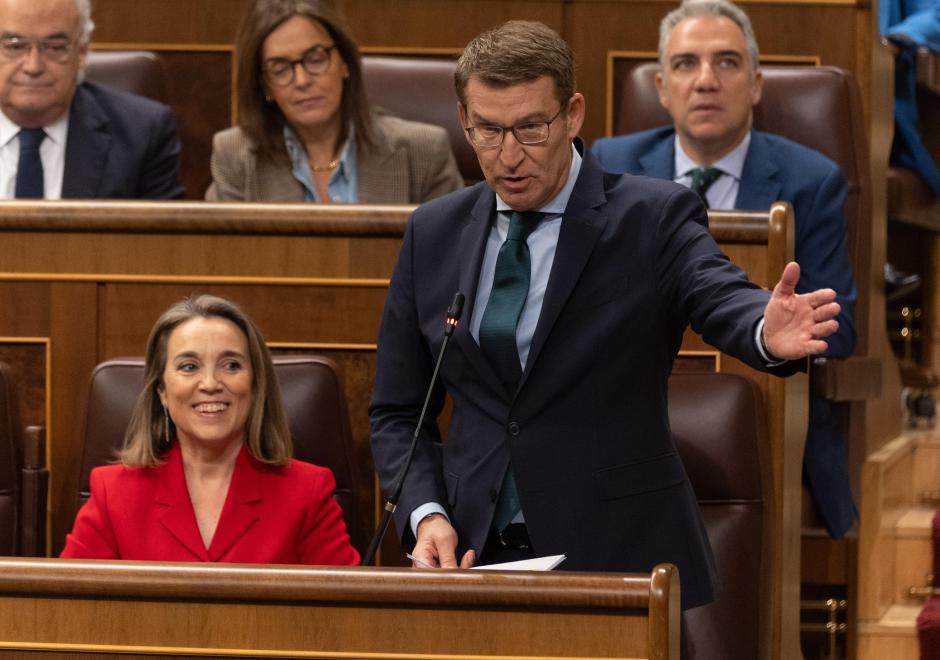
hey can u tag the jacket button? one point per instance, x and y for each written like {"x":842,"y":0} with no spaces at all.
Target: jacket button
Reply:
{"x":494,"y":495}
{"x":513,"y":428}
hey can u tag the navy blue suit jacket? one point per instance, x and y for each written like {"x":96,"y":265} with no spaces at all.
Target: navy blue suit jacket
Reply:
{"x":586,"y":430}
{"x":778,"y":169}
{"x":120,"y":146}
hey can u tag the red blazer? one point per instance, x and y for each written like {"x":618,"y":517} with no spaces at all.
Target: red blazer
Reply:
{"x":270,"y":516}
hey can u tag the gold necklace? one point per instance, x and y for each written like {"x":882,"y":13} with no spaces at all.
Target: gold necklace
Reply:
{"x":329,"y":167}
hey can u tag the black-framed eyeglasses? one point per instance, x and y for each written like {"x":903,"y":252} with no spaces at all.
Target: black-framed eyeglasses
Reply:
{"x":533,"y":132}
{"x":279,"y":71}
{"x":54,"y":49}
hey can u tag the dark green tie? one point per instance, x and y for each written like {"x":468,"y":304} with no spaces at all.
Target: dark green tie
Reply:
{"x":507,"y":298}
{"x":498,"y":330}
{"x":702,"y":180}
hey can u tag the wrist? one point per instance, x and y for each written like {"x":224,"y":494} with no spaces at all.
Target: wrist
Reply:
{"x":430,"y":516}
{"x":763,"y":344}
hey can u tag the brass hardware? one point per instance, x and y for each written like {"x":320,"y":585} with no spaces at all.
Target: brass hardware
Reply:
{"x":926,"y":591}
{"x":833,"y":627}
{"x":923,"y":593}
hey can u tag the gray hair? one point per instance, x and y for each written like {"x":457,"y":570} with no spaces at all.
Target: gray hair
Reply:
{"x":696,"y":8}
{"x":85,"y":25}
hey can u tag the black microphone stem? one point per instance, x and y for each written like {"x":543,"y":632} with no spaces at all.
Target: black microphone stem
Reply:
{"x":453,"y":316}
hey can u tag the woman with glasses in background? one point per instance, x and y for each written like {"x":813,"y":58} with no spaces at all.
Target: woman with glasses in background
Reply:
{"x":306,"y":132}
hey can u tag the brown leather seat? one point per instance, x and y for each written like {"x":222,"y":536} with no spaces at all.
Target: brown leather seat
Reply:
{"x":421,"y":89}
{"x":818,"y":107}
{"x":24,"y":479}
{"x":313,"y":400}
{"x":135,"y":71}
{"x":717,"y":422}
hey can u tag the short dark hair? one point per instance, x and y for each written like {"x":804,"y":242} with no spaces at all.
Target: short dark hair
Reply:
{"x":517,"y":52}
{"x":264,"y":122}
{"x":267,"y":430}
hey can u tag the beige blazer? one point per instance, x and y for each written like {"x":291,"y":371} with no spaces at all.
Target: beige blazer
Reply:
{"x":412,"y":163}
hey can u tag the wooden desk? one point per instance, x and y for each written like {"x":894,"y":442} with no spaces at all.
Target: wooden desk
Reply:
{"x":88,"y":279}
{"x":59,"y":607}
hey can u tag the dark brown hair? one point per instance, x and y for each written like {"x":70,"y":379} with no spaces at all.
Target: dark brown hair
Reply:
{"x":267,"y":431}
{"x":517,"y":52}
{"x":264,"y":122}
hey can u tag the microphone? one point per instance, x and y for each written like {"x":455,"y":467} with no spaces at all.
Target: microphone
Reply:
{"x":450,"y":324}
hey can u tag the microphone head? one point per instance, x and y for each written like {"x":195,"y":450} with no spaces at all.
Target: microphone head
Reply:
{"x":453,"y":314}
{"x":456,"y":307}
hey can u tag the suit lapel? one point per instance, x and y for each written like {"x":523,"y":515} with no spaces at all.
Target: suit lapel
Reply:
{"x":660,"y":161}
{"x":86,"y":147}
{"x":238,"y":513}
{"x":470,"y":249}
{"x":581,"y":224}
{"x":760,"y":182}
{"x":172,"y":496}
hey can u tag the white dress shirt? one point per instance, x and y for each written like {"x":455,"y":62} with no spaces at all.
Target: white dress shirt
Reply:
{"x":724,"y":192}
{"x":51,"y":152}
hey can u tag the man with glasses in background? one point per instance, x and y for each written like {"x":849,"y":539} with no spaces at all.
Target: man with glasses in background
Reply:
{"x":63,"y":138}
{"x":579,"y":286}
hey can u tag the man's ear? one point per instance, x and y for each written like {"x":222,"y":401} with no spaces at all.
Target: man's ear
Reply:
{"x":757,"y":89}
{"x":661,"y":89}
{"x":462,"y":112}
{"x":575,"y":115}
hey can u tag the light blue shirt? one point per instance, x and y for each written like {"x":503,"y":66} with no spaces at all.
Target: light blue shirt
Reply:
{"x":343,"y":187}
{"x":542,"y":243}
{"x":724,"y":192}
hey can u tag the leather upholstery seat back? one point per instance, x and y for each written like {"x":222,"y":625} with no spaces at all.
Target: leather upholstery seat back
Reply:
{"x":718,"y":424}
{"x":313,"y":400}
{"x":10,"y":463}
{"x":818,"y":107}
{"x":421,"y":89}
{"x":136,"y":71}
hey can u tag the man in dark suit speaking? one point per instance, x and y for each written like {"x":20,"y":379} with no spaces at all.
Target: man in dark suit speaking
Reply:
{"x":62,"y":138}
{"x":579,"y":285}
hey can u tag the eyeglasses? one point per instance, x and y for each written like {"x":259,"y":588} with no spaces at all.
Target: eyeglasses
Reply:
{"x":56,"y":49}
{"x":533,"y":132}
{"x":280,"y":70}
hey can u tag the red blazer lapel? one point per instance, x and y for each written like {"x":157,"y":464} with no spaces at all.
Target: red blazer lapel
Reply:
{"x":172,"y":496}
{"x":240,"y":511}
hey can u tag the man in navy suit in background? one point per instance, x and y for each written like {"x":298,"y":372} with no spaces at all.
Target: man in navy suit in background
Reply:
{"x":579,"y":287}
{"x":709,"y":84}
{"x":63,"y":138}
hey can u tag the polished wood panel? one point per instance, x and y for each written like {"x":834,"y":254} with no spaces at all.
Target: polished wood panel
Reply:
{"x":93,"y":277}
{"x":592,"y":28}
{"x":106,"y":608}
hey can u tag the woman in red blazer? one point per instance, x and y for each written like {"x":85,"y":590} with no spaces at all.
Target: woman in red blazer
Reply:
{"x":205,"y":472}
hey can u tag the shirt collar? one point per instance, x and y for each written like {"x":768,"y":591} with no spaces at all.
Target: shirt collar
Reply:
{"x":556,"y":205}
{"x":732,"y":163}
{"x":297,"y":152}
{"x":56,"y":131}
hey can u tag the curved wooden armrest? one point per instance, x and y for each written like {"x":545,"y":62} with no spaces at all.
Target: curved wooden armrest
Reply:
{"x":33,"y":498}
{"x":854,"y":378}
{"x":928,"y":70}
